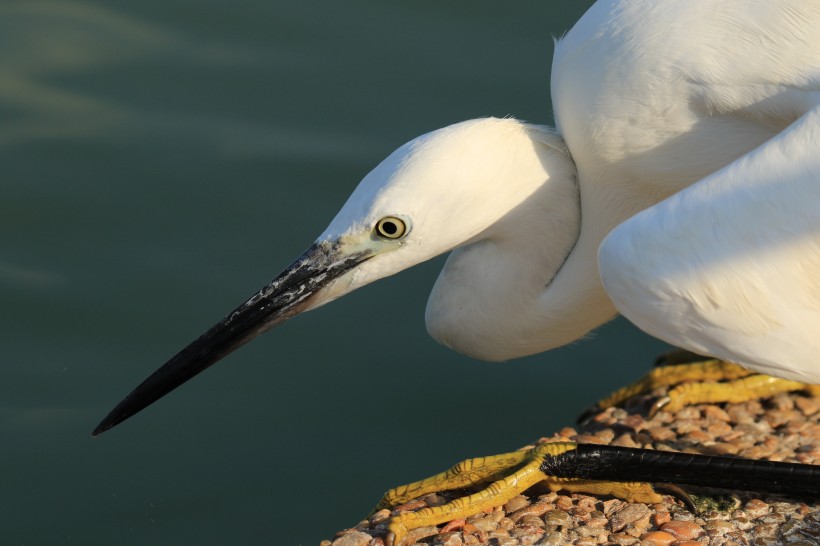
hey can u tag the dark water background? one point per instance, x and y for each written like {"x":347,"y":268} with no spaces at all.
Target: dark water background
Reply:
{"x":162,"y":159}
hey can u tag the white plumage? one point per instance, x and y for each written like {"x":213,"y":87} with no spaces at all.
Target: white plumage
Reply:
{"x":690,"y":163}
{"x":713,"y":102}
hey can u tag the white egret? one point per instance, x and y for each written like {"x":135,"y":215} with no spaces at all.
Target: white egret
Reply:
{"x":685,"y":194}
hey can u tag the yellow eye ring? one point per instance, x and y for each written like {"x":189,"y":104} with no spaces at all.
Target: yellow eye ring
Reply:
{"x":391,"y":227}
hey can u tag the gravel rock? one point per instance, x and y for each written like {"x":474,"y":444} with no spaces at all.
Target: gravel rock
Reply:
{"x":658,"y":538}
{"x":786,"y":428}
{"x":683,"y":530}
{"x":558,"y":517}
{"x":628,"y":514}
{"x":354,"y":538}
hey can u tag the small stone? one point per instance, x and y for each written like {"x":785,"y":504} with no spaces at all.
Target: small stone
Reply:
{"x":587,"y":531}
{"x":376,"y":541}
{"x":685,"y":426}
{"x":687,"y":543}
{"x":716,"y":413}
{"x":635,"y":421}
{"x":782,"y":402}
{"x":529,"y":540}
{"x":485,"y":523}
{"x":410,"y":506}
{"x":698,"y":437}
{"x":606,"y":435}
{"x":536,"y":509}
{"x":448,"y":539}
{"x":563,"y":503}
{"x":612,"y":505}
{"x":557,"y":517}
{"x":688,"y":412}
{"x":503,"y":541}
{"x":724,"y":448}
{"x":756,"y":508}
{"x":482,"y":536}
{"x":454,"y":525}
{"x":587,"y":504}
{"x":716,"y":528}
{"x":638,"y":527}
{"x":497,"y":514}
{"x":553,"y":539}
{"x":419,"y":533}
{"x":325,"y":543}
{"x":588,"y":439}
{"x":738,"y":414}
{"x":661,"y":434}
{"x":434,"y":500}
{"x":626,"y":515}
{"x":742,"y":523}
{"x":625,"y":440}
{"x":597,"y":519}
{"x":660,"y":518}
{"x":567,"y":434}
{"x":683,"y":530}
{"x":355,"y":538}
{"x":531,"y":521}
{"x":379,"y":516}
{"x":516,"y":503}
{"x":623,"y":539}
{"x":757,"y":452}
{"x":776,"y":418}
{"x":718,"y":428}
{"x":807,"y":406}
{"x":658,"y":538}
{"x":765,"y":541}
{"x":774,"y":517}
{"x":683,"y":515}
{"x":765,"y":530}
{"x":580,"y":514}
{"x":506,"y":523}
{"x":522,"y":531}
{"x":663,"y":417}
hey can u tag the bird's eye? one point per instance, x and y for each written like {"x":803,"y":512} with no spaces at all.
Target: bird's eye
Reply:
{"x":391,"y":227}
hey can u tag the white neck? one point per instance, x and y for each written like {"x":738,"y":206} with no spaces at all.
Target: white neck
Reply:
{"x":532,"y":297}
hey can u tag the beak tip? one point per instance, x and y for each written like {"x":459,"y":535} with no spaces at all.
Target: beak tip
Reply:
{"x":104,"y":425}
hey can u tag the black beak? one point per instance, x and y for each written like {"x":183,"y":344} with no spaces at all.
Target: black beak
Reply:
{"x":285,"y":296}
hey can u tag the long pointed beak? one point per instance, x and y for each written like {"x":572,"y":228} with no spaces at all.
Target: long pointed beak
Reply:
{"x":285,"y":296}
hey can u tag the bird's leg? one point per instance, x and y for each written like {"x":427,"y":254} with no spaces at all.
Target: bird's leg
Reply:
{"x":736,"y":390}
{"x":701,"y":382}
{"x":461,"y":475}
{"x":511,"y":475}
{"x":668,"y":375}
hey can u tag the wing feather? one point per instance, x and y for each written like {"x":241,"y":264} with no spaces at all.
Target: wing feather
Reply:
{"x":730,"y":266}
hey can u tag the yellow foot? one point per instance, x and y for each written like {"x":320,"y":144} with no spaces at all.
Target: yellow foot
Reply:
{"x":702,"y":382}
{"x":507,"y":476}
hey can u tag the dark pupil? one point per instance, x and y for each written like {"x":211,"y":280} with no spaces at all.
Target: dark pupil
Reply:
{"x":390,"y":228}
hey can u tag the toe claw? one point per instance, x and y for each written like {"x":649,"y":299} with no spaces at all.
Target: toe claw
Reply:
{"x":659,"y":404}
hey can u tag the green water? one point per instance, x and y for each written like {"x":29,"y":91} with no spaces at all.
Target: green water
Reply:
{"x":163,"y":159}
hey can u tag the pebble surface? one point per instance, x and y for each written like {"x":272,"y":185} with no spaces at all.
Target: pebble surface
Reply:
{"x":784,"y":428}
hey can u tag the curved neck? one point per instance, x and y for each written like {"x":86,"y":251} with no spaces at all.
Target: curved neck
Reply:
{"x":530,"y":281}
{"x":575,"y":302}
{"x":535,"y":294}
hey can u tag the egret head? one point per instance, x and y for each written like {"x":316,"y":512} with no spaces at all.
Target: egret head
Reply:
{"x":442,"y":190}
{"x":445,"y":189}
